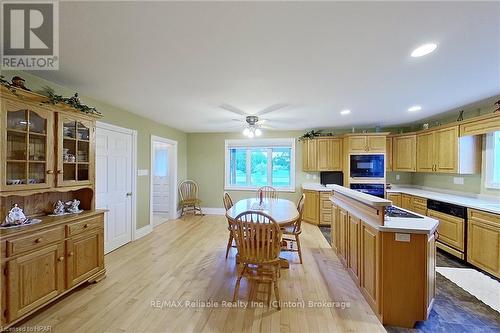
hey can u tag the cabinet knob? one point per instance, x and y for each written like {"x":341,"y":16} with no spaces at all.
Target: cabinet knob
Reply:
{"x":70,"y":254}
{"x":50,"y":172}
{"x":61,"y":259}
{"x":60,"y":172}
{"x":38,"y":240}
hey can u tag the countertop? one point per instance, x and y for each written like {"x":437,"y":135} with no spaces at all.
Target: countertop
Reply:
{"x":316,"y":187}
{"x":484,"y":204}
{"x":362,"y":197}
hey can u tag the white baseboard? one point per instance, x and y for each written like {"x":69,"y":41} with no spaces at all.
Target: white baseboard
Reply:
{"x":213,"y":211}
{"x":139,"y":233}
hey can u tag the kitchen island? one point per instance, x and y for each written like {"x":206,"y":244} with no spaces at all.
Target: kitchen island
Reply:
{"x":391,"y":259}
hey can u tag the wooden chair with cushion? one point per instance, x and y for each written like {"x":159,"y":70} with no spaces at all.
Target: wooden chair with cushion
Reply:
{"x":293,"y":231}
{"x":268,"y":192}
{"x":228,"y":203}
{"x":189,"y":201}
{"x":258,"y":239}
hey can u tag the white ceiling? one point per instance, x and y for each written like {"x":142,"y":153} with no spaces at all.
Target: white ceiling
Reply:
{"x":176,"y":63}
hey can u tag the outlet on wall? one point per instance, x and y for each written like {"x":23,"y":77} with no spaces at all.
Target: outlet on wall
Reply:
{"x":308,"y":176}
{"x":458,"y":180}
{"x":314,"y":176}
{"x":398,"y":177}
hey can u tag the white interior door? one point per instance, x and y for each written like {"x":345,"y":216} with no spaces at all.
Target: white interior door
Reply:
{"x":114,"y":185}
{"x":161,"y":169}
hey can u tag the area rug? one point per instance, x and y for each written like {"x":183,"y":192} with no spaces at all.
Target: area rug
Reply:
{"x":480,"y":285}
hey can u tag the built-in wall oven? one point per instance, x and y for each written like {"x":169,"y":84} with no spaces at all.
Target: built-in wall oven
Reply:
{"x":367,"y":166}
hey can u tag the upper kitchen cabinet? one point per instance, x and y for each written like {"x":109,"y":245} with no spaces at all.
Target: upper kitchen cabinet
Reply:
{"x":404,"y":153}
{"x":389,"y":154}
{"x":329,"y":154}
{"x":366,"y":143}
{"x":480,"y":125}
{"x":309,"y":150}
{"x":442,"y":150}
{"x":26,"y":145}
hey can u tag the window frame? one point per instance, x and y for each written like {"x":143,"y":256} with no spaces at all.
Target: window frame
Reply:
{"x":259,"y":143}
{"x":491,"y":147}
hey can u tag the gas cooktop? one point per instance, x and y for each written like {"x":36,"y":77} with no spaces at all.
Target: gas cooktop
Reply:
{"x":393,"y":211}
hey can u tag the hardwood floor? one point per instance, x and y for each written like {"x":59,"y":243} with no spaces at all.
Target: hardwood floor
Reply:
{"x":183,"y":260}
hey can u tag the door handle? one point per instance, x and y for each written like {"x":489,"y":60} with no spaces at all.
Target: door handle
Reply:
{"x":129,"y":194}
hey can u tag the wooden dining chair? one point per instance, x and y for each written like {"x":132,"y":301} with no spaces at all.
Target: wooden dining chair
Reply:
{"x":228,"y":203}
{"x":258,"y":239}
{"x":268,"y":192}
{"x":292,"y":233}
{"x":189,"y":201}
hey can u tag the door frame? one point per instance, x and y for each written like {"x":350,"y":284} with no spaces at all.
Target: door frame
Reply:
{"x":114,"y":128}
{"x":172,"y":177}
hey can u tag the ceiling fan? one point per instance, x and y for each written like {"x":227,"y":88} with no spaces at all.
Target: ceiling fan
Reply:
{"x":253,"y":123}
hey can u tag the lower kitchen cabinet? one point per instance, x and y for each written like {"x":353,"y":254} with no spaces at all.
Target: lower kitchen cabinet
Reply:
{"x":33,"y":279}
{"x":395,"y":198}
{"x":311,"y":207}
{"x":353,"y":246}
{"x":370,"y":265}
{"x":450,"y":229}
{"x":483,"y":241}
{"x":406,"y":201}
{"x":342,"y":236}
{"x":334,"y":230}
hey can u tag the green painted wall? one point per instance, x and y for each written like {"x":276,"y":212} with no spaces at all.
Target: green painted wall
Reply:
{"x":123,"y":118}
{"x":206,"y":166}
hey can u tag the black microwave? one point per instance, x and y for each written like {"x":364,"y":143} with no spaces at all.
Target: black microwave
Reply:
{"x":367,"y":166}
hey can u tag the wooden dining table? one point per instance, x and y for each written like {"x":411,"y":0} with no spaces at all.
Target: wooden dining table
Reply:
{"x":283,"y":211}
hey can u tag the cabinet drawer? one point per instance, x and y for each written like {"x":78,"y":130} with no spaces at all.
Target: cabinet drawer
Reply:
{"x":484,"y":217}
{"x":82,"y":226}
{"x":420,"y":201}
{"x":35,"y":241}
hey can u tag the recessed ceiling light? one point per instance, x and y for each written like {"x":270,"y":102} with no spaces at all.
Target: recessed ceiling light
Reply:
{"x":344,"y":112}
{"x":423,"y":50}
{"x":415,"y":108}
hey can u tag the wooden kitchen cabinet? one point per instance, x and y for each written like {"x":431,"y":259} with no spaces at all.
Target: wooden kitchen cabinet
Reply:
{"x":367,"y":143}
{"x":325,"y":208}
{"x":483,"y":241}
{"x":33,"y":279}
{"x":342,"y":236}
{"x":443,"y":151}
{"x":353,"y":247}
{"x":395,"y":198}
{"x":388,"y":155}
{"x":309,"y":155}
{"x":334,"y":230}
{"x":406,"y":202}
{"x":370,"y":265}
{"x":419,"y":205}
{"x":404,"y":153}
{"x":85,"y":256}
{"x":311,"y":207}
{"x":329,"y":154}
{"x":451,"y":229}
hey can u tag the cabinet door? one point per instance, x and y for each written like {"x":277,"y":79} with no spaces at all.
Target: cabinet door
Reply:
{"x":305,"y":152}
{"x":353,"y":253}
{"x":431,"y":272}
{"x":370,"y":263}
{"x":483,"y":245}
{"x":337,"y":157}
{"x":324,"y":154}
{"x":446,"y":153}
{"x":85,"y":257}
{"x":425,"y":152}
{"x":325,"y":208}
{"x":334,"y":231}
{"x":389,"y":154}
{"x":404,"y":158}
{"x":451,"y":229}
{"x":34,"y":279}
{"x":75,"y":155}
{"x":28,"y":147}
{"x":342,"y":237}
{"x":358,"y":144}
{"x":311,"y":207}
{"x":376,"y":144}
{"x":395,"y":198}
{"x":312,"y":154}
{"x":406,"y":202}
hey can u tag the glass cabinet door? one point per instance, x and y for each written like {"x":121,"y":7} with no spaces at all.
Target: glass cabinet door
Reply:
{"x":74,"y":156}
{"x":28,"y":142}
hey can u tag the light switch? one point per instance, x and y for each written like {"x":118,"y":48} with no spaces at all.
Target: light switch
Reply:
{"x":398,"y":177}
{"x":403,"y":238}
{"x":458,"y":180}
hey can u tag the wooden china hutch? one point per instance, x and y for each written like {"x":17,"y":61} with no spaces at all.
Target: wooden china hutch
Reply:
{"x":47,"y":154}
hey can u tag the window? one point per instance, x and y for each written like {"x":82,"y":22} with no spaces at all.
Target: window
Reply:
{"x":493,"y":160}
{"x":253,"y":163}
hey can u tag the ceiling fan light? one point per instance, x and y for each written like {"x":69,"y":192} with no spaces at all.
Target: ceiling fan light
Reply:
{"x":246,"y":131}
{"x":250,"y":134}
{"x":258,"y":132}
